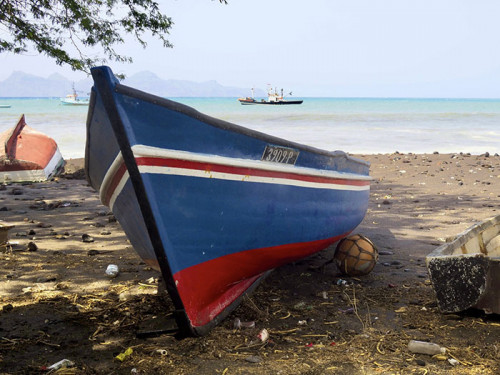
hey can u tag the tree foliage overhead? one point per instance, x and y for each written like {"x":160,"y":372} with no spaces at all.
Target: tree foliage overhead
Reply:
{"x":51,"y":26}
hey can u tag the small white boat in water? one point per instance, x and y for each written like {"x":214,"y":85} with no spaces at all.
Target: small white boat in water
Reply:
{"x":465,"y":273}
{"x":73,"y":99}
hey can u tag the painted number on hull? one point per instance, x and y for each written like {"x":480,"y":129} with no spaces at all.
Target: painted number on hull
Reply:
{"x":277,"y":154}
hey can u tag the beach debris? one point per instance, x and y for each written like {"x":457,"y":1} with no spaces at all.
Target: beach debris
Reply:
{"x":424,"y":347}
{"x":253,"y":359}
{"x":237,"y":324}
{"x":356,"y":255}
{"x":112,"y":271}
{"x":63,"y":363}
{"x":440,"y":357}
{"x":385,"y":252}
{"x":44,"y":225}
{"x":453,"y":361}
{"x":16,"y":191}
{"x":301,"y":306}
{"x":87,"y":238}
{"x":161,"y":352}
{"x":263,"y":335}
{"x":349,"y":310}
{"x":4,"y":232}
{"x":420,"y":362}
{"x":32,"y":246}
{"x":121,"y":357}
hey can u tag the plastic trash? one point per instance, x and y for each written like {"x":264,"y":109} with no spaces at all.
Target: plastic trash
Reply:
{"x":161,"y":352}
{"x":121,"y":357}
{"x":62,"y":363}
{"x":237,"y":324}
{"x":423,"y":347}
{"x":263,"y":335}
{"x":112,"y":271}
{"x":453,"y":361}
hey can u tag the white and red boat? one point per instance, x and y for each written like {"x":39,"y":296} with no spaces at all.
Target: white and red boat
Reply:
{"x":28,"y":155}
{"x":273,"y":98}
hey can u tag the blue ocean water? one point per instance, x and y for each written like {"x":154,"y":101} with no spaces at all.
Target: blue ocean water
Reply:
{"x":354,"y":125}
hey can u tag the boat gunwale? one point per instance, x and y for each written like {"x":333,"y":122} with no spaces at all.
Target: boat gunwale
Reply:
{"x":226,"y":125}
{"x":446,"y":250}
{"x":11,"y":138}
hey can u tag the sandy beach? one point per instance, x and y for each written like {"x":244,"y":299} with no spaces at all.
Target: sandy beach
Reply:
{"x":56,"y":301}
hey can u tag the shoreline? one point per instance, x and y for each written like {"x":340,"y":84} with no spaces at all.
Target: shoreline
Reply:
{"x":417,"y":201}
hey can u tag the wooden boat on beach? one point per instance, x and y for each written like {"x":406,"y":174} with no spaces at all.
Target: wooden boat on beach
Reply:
{"x":28,"y":155}
{"x":212,"y":205}
{"x":465,"y":272}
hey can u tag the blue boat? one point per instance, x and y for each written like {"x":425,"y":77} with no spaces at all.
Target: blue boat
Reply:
{"x":213,"y":206}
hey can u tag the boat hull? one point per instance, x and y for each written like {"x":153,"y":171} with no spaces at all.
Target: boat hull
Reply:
{"x":465,"y":273}
{"x":75,"y":102}
{"x":212,"y":205}
{"x":280,"y":102}
{"x":28,"y":155}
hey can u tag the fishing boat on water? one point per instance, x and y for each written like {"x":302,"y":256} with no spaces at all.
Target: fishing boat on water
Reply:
{"x":5,"y":106}
{"x":273,"y":98}
{"x":73,"y":99}
{"x":465,"y":273}
{"x":212,"y":205}
{"x":28,"y":155}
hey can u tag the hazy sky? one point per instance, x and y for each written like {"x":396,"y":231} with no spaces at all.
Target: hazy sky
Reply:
{"x":363,"y":48}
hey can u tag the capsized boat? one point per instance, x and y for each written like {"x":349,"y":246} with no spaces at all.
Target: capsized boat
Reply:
{"x":28,"y":155}
{"x":73,"y":99}
{"x":465,"y":273}
{"x":273,"y":98}
{"x":212,"y":205}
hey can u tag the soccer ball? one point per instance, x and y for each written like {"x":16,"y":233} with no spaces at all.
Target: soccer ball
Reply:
{"x":356,"y":255}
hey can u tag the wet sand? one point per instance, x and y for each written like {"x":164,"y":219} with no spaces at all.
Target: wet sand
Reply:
{"x":56,"y":301}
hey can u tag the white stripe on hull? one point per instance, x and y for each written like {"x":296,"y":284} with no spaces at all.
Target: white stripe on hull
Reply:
{"x":146,"y":151}
{"x":34,"y":175}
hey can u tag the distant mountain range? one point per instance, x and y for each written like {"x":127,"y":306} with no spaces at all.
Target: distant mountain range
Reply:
{"x":21,"y":84}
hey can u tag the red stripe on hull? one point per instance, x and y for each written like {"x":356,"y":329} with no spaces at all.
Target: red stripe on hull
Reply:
{"x":114,"y":183}
{"x":208,"y":288}
{"x":210,"y":167}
